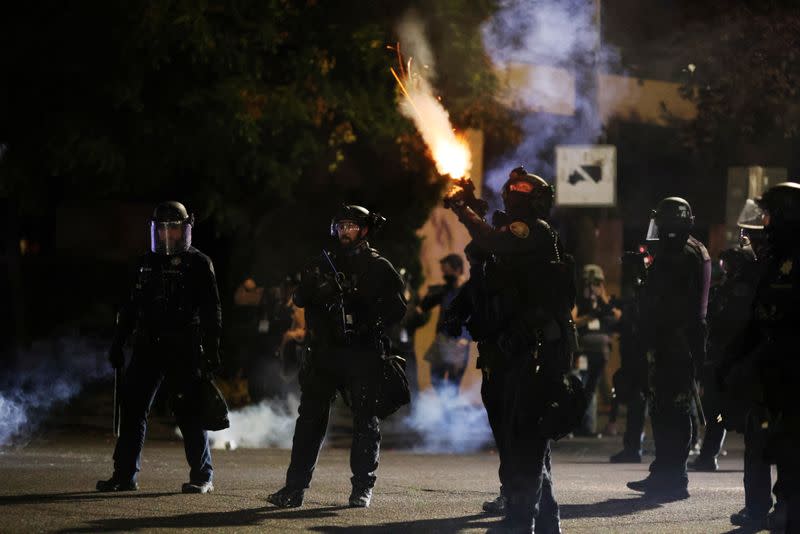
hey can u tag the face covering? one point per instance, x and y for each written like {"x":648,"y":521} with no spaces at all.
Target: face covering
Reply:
{"x":518,"y":204}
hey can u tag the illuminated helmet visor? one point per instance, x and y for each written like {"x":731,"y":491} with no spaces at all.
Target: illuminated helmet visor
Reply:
{"x":170,"y":238}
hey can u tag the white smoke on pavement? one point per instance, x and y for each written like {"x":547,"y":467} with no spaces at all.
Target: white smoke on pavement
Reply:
{"x":449,"y":421}
{"x":267,"y":424}
{"x":49,"y":373}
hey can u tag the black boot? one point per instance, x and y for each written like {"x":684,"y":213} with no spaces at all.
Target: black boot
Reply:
{"x":496,"y":506}
{"x":287,"y":497}
{"x":746,"y":518}
{"x":641,"y":485}
{"x":360,"y":497}
{"x":117,"y":483}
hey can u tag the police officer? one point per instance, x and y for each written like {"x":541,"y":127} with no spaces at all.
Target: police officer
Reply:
{"x":774,"y":337}
{"x":674,"y":303}
{"x":729,"y":311}
{"x":172,"y":313}
{"x":522,"y":339}
{"x":742,"y":397}
{"x":350,"y":296}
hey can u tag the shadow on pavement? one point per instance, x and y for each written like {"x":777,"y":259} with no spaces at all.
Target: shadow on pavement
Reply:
{"x":609,"y":508}
{"x":745,"y":530}
{"x":449,"y":524}
{"x":237,"y":518}
{"x":77,"y":496}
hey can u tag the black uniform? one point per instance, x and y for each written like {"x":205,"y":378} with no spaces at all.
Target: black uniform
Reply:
{"x":673,"y":311}
{"x":520,"y":324}
{"x":728,"y":313}
{"x":173,"y":316}
{"x":630,"y":382}
{"x":373,"y":300}
{"x":774,"y":333}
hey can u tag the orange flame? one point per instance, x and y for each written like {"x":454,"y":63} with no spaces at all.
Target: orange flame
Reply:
{"x":449,"y":150}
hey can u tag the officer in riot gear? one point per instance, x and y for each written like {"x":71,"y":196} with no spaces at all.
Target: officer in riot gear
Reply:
{"x":772,"y":339}
{"x":517,"y":306}
{"x":743,"y":410}
{"x":351,"y":295}
{"x":172,"y":316}
{"x":673,"y":308}
{"x":728,"y":313}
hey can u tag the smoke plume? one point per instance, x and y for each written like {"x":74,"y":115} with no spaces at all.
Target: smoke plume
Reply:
{"x":267,"y":424}
{"x":49,"y":373}
{"x":561,"y":38}
{"x":449,"y":421}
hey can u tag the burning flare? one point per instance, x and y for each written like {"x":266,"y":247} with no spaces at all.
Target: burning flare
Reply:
{"x":450,"y":151}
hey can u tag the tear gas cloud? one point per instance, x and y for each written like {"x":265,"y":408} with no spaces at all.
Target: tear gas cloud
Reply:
{"x":49,"y":373}
{"x":560,"y":34}
{"x":449,"y":421}
{"x":267,"y":424}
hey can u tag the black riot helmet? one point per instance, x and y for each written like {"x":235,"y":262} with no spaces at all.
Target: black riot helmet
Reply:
{"x":781,"y":205}
{"x":525,"y":195}
{"x":171,"y":229}
{"x":671,"y":221}
{"x":358,"y":215}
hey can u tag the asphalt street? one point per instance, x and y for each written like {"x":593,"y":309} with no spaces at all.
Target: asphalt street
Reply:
{"x":48,"y":486}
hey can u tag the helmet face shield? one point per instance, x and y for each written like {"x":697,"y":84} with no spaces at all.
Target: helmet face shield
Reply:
{"x":169,"y":238}
{"x":751,"y":217}
{"x":671,"y":232}
{"x":652,"y":230}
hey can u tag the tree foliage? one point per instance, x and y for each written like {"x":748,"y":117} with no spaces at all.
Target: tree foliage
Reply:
{"x":262,"y":115}
{"x":741,"y":68}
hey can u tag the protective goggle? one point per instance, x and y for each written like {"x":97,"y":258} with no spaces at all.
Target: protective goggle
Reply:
{"x":520,"y":186}
{"x":346,"y":226}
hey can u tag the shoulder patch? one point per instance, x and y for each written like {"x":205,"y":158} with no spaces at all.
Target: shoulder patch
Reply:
{"x":520,"y":229}
{"x":786,"y":267}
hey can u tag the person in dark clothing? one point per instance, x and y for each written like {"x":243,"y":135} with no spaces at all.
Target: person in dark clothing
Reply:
{"x":674,"y":302}
{"x":173,"y":317}
{"x":522,"y":327}
{"x":403,"y":333}
{"x":630,"y":380}
{"x":743,"y":399}
{"x":596,"y":316}
{"x":729,"y":310}
{"x":771,"y":340}
{"x":350,"y":297}
{"x":448,"y":355}
{"x":279,"y":336}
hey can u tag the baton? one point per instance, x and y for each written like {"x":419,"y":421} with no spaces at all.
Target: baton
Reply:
{"x":117,"y":400}
{"x":698,"y":403}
